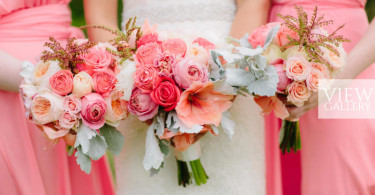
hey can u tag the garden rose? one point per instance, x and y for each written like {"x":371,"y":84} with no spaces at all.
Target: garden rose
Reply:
{"x":166,"y":94}
{"x":322,"y":68}
{"x":297,"y":68}
{"x":116,"y":108}
{"x":188,"y":71}
{"x":294,"y":52}
{"x":204,"y":43}
{"x":43,"y":71}
{"x":147,"y":38}
{"x":198,"y":53}
{"x":72,"y":104}
{"x":298,"y":93}
{"x":141,"y":105}
{"x":284,"y":81}
{"x":46,"y":107}
{"x":62,"y":82}
{"x":272,"y":53}
{"x":82,"y":84}
{"x":164,"y":63}
{"x":68,"y":120}
{"x":97,"y":59}
{"x":312,"y":80}
{"x":146,"y":54}
{"x":175,"y":46}
{"x":93,"y":111}
{"x":281,"y":38}
{"x":336,"y":62}
{"x":104,"y":82}
{"x":146,"y":78}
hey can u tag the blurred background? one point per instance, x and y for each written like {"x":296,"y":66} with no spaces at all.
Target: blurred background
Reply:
{"x":79,"y":19}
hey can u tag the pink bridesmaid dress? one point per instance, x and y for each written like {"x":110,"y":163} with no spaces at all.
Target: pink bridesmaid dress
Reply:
{"x":28,"y":164}
{"x":338,"y":156}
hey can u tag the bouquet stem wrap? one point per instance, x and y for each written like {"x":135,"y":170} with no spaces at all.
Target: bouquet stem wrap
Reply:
{"x":188,"y":164}
{"x":290,"y":137}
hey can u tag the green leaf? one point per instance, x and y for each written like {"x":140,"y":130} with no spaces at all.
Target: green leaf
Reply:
{"x":98,"y":146}
{"x":83,"y":161}
{"x":164,"y":147}
{"x":70,"y":150}
{"x":114,"y":139}
{"x":84,"y":135}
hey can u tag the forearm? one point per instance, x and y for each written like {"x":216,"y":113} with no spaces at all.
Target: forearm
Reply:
{"x":362,"y":55}
{"x":250,"y":14}
{"x":101,"y":12}
{"x":10,"y":68}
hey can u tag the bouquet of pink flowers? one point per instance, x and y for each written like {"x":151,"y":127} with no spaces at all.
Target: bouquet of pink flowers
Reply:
{"x":302,"y":53}
{"x":71,"y":94}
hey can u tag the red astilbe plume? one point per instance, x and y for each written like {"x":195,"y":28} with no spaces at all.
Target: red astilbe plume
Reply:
{"x":308,"y":39}
{"x":68,"y":56}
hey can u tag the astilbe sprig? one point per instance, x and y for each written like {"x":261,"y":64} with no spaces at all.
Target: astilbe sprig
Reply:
{"x":68,"y":56}
{"x":308,"y":39}
{"x":121,"y":41}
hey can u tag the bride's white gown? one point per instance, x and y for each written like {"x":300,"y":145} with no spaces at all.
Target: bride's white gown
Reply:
{"x":234,"y":167}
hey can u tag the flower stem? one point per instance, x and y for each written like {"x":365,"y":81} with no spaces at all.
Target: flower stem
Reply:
{"x":290,"y":137}
{"x":184,"y":178}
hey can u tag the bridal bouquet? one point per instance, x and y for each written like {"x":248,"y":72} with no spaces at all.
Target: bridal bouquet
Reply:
{"x":303,"y":53}
{"x":71,"y":94}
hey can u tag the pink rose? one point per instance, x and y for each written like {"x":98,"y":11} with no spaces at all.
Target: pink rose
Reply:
{"x":281,"y":38}
{"x":146,"y":78}
{"x":204,"y":43}
{"x":167,"y":94}
{"x":297,"y":68}
{"x":93,"y":111}
{"x":62,"y":82}
{"x":68,"y":120}
{"x":72,"y":104}
{"x":104,"y":82}
{"x":298,"y":93}
{"x":141,"y":105}
{"x":188,"y":71}
{"x":322,"y":68}
{"x":147,"y":38}
{"x":284,"y":81}
{"x":312,"y":80}
{"x":95,"y":60}
{"x":146,"y":54}
{"x":164,"y":64}
{"x":258,"y":36}
{"x":175,"y":46}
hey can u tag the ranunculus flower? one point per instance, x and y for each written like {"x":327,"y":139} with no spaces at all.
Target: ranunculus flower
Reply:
{"x":116,"y":108}
{"x":93,"y":111}
{"x":97,"y":59}
{"x":62,"y":82}
{"x":201,"y":104}
{"x":272,"y":53}
{"x":336,"y":62}
{"x":166,"y":94}
{"x":322,"y":68}
{"x":188,"y":71}
{"x":284,"y":81}
{"x":164,"y":64}
{"x":146,"y":54}
{"x":146,"y":78}
{"x":297,"y":68}
{"x":46,"y":107}
{"x":68,"y":120}
{"x":174,"y":46}
{"x":198,"y":53}
{"x":72,"y":104}
{"x":281,"y":38}
{"x":104,"y":82}
{"x":147,"y":38}
{"x":298,"y":93}
{"x":294,"y":51}
{"x":141,"y":105}
{"x":204,"y":43}
{"x":43,"y":71}
{"x":312,"y":80}
{"x":82,"y":84}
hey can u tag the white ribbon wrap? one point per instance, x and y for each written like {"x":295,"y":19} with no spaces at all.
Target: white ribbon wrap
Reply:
{"x":192,"y":153}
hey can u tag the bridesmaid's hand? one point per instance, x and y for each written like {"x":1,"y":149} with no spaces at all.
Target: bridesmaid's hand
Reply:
{"x":296,"y":112}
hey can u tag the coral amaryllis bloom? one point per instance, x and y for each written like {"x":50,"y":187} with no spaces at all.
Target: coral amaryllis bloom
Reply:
{"x":200,"y":104}
{"x":272,"y":103}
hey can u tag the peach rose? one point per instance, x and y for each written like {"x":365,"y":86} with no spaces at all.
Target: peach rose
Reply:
{"x":97,"y":59}
{"x":322,"y":68}
{"x":175,"y":46}
{"x":336,"y":62}
{"x":116,"y":108}
{"x":312,"y":80}
{"x":82,"y":84}
{"x":62,"y":82}
{"x":104,"y":82}
{"x":68,"y":120}
{"x":43,"y":71}
{"x":188,"y":71}
{"x":198,"y":53}
{"x":146,"y":54}
{"x":93,"y":111}
{"x":72,"y":104}
{"x":298,"y":93}
{"x":46,"y":107}
{"x":297,"y":68}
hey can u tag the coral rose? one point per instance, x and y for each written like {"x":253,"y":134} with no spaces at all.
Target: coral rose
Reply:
{"x":176,"y":47}
{"x":97,"y":59}
{"x":62,"y":82}
{"x":147,"y":38}
{"x":146,"y":54}
{"x":104,"y":82}
{"x":93,"y":111}
{"x":166,"y":94}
